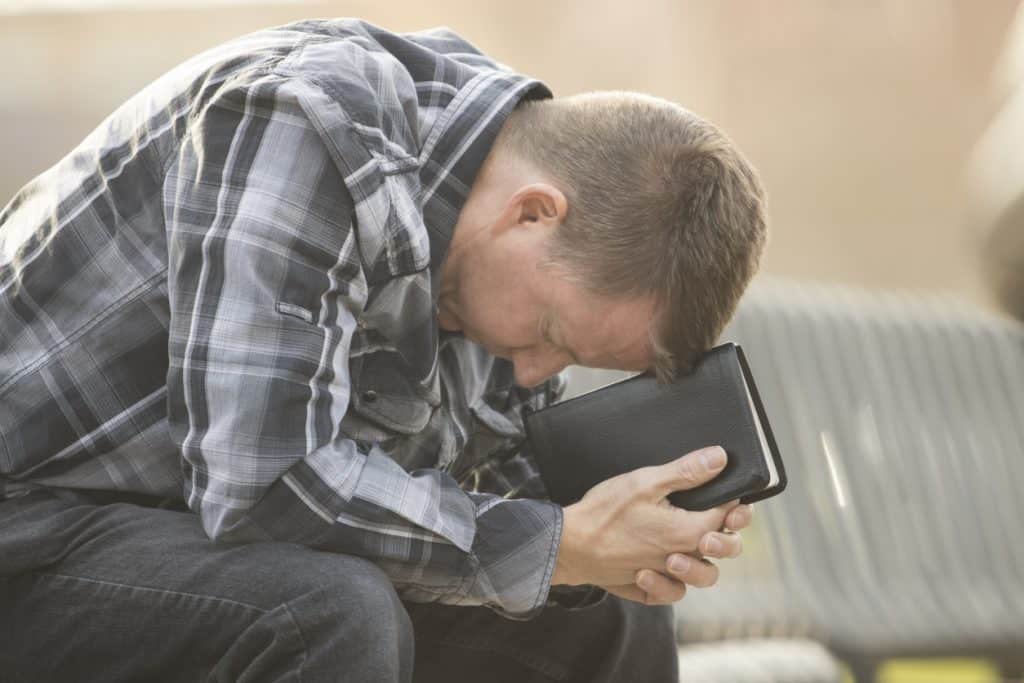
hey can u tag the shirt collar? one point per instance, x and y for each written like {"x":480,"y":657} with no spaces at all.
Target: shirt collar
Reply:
{"x":456,"y":148}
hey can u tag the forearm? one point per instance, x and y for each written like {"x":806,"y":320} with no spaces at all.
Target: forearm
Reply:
{"x":436,"y":542}
{"x":509,"y":567}
{"x":566,"y":572}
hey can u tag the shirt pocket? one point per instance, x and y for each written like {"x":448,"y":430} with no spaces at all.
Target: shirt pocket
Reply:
{"x":382,"y":402}
{"x":383,"y":397}
{"x":493,"y":436}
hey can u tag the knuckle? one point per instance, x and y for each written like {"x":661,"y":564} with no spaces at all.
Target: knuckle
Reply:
{"x":661,"y":590}
{"x":728,"y":545}
{"x":718,"y":544}
{"x":685,"y":540}
{"x":685,"y":533}
{"x":688,"y":471}
{"x":628,"y":486}
{"x":680,"y":565}
{"x":741,"y":517}
{"x":638,"y":482}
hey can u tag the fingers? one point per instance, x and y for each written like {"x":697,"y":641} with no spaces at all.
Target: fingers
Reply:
{"x":658,"y":588}
{"x":693,"y":571}
{"x":688,"y":472}
{"x":739,"y":517}
{"x":688,"y":526}
{"x":720,"y":544}
{"x":655,"y":588}
{"x":629,"y":592}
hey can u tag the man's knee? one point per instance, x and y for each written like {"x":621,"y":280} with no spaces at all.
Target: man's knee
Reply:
{"x":337,"y":590}
{"x":365,"y":595}
{"x":346,"y":615}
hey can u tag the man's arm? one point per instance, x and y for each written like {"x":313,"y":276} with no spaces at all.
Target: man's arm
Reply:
{"x":510,"y":469}
{"x":259,"y":227}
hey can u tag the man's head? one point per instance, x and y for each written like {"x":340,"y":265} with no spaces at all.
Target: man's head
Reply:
{"x":611,"y":230}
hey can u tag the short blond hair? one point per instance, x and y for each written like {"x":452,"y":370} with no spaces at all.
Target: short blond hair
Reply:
{"x":660,"y":202}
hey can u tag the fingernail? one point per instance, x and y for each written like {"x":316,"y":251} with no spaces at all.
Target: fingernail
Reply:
{"x":713,"y":458}
{"x":679,"y":564}
{"x":644,"y":581}
{"x":713,"y":545}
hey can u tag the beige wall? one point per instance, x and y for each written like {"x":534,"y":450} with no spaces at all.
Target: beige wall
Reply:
{"x":860,"y":115}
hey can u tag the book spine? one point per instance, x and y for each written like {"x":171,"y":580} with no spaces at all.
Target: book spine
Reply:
{"x":540,"y":445}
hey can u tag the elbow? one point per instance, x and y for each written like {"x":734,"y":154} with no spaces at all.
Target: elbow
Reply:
{"x":230,"y":526}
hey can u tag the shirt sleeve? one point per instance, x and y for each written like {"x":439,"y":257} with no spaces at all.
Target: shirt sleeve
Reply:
{"x":510,"y":469}
{"x":265,"y":285}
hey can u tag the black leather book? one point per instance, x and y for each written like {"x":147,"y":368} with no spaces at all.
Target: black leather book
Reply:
{"x":635,"y":422}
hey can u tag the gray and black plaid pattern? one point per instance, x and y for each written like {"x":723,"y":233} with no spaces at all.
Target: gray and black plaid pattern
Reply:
{"x":227,"y":294}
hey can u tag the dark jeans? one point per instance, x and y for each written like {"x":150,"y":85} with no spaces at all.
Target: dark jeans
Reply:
{"x":94,"y":590}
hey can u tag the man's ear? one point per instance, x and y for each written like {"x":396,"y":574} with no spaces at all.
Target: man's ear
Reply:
{"x":538,"y":203}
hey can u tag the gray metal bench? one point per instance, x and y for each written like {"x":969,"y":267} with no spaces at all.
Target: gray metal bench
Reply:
{"x":901,"y":422}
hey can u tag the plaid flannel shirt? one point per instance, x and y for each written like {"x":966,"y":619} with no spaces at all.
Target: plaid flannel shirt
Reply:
{"x":227,"y":295}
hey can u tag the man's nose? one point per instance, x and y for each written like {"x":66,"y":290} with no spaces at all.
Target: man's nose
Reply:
{"x":532,"y":369}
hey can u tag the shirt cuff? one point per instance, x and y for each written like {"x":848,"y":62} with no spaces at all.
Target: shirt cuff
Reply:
{"x":515,"y":549}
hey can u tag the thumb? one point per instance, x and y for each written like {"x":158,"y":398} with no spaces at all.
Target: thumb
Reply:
{"x":690,"y":471}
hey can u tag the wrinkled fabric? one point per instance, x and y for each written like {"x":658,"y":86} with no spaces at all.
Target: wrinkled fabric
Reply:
{"x":227,"y":294}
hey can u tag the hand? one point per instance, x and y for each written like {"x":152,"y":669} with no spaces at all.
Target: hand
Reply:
{"x":669,"y":585}
{"x":625,"y":524}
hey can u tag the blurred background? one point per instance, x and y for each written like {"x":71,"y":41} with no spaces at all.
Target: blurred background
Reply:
{"x":860,"y":115}
{"x":885,"y":131}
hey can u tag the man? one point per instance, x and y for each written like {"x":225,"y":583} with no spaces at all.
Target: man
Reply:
{"x":266,"y":336}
